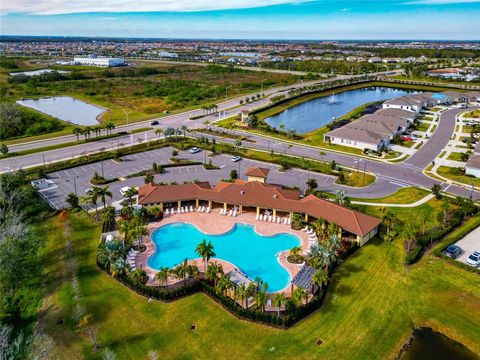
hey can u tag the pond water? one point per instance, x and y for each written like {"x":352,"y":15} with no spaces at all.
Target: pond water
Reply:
{"x":428,"y":344}
{"x":66,"y":108}
{"x":318,"y":112}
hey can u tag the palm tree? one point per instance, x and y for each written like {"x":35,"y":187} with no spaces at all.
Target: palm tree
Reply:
{"x":184,"y":129}
{"x":163,"y":274}
{"x":223,"y":285}
{"x":125,"y":228}
{"x":320,"y":278}
{"x":108,"y":217}
{"x":298,"y":294}
{"x":130,"y":193}
{"x":320,"y":227}
{"x":181,"y":271}
{"x":279,"y":299}
{"x":77,"y":131}
{"x":109,"y":126}
{"x":118,"y":267}
{"x":140,"y":231}
{"x":436,"y":190}
{"x":295,"y":253}
{"x":261,"y":297}
{"x":214,"y":271}
{"x":87,"y":131}
{"x":93,"y":196}
{"x":389,"y":219}
{"x":159,"y":132}
{"x":103,"y":193}
{"x":205,"y":251}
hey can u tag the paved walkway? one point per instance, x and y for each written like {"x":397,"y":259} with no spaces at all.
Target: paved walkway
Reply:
{"x":414,"y":204}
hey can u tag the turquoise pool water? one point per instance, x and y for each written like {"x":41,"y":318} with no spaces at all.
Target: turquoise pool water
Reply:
{"x":254,"y":254}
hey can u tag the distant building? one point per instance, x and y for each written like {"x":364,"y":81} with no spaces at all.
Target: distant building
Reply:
{"x":167,"y":54}
{"x":99,"y":61}
{"x":473,"y":166}
{"x":375,"y":60}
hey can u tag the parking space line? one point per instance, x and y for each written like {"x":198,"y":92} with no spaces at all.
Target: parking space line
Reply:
{"x":75,"y":171}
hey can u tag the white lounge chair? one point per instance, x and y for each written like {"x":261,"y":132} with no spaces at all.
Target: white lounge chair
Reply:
{"x":269,"y":218}
{"x":285,"y":221}
{"x":305,"y":228}
{"x":221,"y":212}
{"x":208,"y":209}
{"x":278,"y":220}
{"x":234,"y":213}
{"x":260,"y":217}
{"x":172,"y":211}
{"x":256,"y":217}
{"x":191,"y":208}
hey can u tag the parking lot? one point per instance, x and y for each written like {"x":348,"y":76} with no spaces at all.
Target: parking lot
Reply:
{"x":469,"y":244}
{"x":77,"y":179}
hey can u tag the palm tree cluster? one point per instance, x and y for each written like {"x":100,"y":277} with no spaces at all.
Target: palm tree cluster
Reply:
{"x":95,"y":194}
{"x":112,"y":256}
{"x":133,"y":229}
{"x":87,"y":130}
{"x":210,"y":109}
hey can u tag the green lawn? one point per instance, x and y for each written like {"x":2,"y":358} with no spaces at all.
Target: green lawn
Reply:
{"x":456,"y":175}
{"x":406,"y":195}
{"x":423,"y":127}
{"x":371,"y":307}
{"x":455,"y":156}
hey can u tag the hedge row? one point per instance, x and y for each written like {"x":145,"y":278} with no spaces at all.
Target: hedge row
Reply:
{"x":199,"y":285}
{"x":432,"y":236}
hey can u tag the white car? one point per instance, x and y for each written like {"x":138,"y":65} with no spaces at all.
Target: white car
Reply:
{"x":236,"y":158}
{"x":474,"y":259}
{"x":124,"y":190}
{"x":194,"y":150}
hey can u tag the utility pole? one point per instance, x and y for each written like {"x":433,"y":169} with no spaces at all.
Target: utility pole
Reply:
{"x":364,"y":169}
{"x":75,"y":184}
{"x":44,"y":166}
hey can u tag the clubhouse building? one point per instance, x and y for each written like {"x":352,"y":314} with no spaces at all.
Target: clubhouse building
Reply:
{"x":257,"y":196}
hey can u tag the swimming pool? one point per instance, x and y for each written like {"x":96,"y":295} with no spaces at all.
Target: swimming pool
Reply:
{"x":254,"y":254}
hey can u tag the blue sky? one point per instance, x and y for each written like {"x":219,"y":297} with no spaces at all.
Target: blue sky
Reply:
{"x":246,"y":19}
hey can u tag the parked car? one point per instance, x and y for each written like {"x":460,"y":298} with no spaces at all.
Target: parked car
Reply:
{"x":154,"y":122}
{"x":407,"y":137}
{"x":453,"y":251}
{"x":124,"y":190}
{"x":236,"y":158}
{"x":194,"y":150}
{"x":474,"y":259}
{"x":88,"y":191}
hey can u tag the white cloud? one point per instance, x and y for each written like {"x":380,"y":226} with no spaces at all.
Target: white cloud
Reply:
{"x":55,"y":7}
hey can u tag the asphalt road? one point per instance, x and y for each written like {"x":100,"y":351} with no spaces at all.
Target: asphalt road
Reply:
{"x":226,"y":109}
{"x":77,"y":179}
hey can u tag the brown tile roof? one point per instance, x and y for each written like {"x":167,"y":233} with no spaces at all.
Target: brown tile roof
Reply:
{"x":150,"y":193}
{"x":267,"y":196}
{"x":258,"y":172}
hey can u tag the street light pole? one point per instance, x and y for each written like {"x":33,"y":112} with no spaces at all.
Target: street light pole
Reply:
{"x":101,"y":163}
{"x":364,"y":169}
{"x":75,"y":184}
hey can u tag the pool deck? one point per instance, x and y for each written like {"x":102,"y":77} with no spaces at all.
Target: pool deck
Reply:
{"x":214,"y":223}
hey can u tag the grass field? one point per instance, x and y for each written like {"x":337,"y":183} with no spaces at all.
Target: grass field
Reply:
{"x":457,"y":175}
{"x":144,"y":91}
{"x":372,"y":305}
{"x":455,"y":156}
{"x":406,"y":195}
{"x":423,"y":127}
